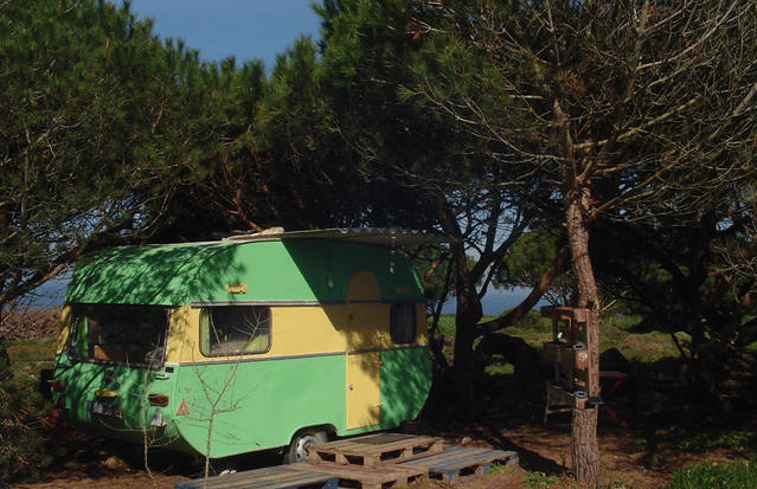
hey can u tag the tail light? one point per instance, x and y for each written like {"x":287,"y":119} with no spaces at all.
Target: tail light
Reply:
{"x":158,"y":399}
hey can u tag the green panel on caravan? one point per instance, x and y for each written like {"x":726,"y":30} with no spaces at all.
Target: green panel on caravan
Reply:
{"x":245,"y":344}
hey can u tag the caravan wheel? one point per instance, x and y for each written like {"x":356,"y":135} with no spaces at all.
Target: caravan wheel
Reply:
{"x":298,"y":449}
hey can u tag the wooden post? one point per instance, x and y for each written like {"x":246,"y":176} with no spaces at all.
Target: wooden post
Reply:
{"x":579,"y":334}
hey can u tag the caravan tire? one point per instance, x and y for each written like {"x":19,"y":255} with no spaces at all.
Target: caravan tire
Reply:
{"x":298,"y":449}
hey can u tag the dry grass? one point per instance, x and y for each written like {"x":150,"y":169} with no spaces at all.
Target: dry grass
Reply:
{"x":30,"y":324}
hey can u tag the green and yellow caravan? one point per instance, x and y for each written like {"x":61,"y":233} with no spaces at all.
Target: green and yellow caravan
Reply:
{"x":268,"y":340}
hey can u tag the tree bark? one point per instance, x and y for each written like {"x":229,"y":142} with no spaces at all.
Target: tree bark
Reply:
{"x":584,"y":448}
{"x":577,"y":202}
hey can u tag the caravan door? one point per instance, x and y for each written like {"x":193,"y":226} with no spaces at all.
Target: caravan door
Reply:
{"x":365,"y":317}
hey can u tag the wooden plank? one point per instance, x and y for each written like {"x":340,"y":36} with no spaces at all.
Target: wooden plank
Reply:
{"x":280,"y":477}
{"x":449,"y":455}
{"x":451,"y":463}
{"x":372,"y":450}
{"x":372,"y":477}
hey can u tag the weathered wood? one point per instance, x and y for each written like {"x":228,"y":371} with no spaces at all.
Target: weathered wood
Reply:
{"x":578,"y":372}
{"x":372,"y":450}
{"x":557,"y":400}
{"x":371,"y":477}
{"x":280,"y":477}
{"x":392,"y":459}
{"x":452,"y":463}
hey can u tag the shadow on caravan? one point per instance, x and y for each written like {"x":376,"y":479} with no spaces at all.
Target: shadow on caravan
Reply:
{"x":276,"y":339}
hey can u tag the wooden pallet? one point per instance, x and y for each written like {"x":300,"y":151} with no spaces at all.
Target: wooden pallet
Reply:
{"x":455,"y":462}
{"x":280,"y":477}
{"x":372,"y":450}
{"x":379,"y":477}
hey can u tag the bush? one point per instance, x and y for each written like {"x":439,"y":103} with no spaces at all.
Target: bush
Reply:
{"x":22,"y":447}
{"x":707,"y":475}
{"x":6,"y":373}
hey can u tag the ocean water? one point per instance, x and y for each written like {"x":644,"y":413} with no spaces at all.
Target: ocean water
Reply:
{"x":498,"y":301}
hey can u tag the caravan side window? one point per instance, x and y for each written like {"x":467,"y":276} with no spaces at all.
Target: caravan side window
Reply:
{"x":402,"y":326}
{"x":235,"y":330}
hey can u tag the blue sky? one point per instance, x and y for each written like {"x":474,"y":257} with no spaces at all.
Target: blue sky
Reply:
{"x":246,"y":29}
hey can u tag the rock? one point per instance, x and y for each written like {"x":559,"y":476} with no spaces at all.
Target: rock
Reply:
{"x":114,"y":463}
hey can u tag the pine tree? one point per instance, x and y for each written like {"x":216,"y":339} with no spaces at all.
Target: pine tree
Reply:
{"x":101,"y":122}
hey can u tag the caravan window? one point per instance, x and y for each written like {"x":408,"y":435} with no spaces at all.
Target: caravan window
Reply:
{"x":402,"y":326}
{"x":134,"y":335}
{"x":235,"y":330}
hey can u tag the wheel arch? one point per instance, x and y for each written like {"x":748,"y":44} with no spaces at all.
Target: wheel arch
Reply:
{"x":328,"y":428}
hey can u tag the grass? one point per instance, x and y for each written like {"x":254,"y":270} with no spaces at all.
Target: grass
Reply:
{"x":447,"y":325}
{"x":30,"y":351}
{"x":29,"y":357}
{"x":731,"y":475}
{"x":615,"y":332}
{"x":537,"y":480}
{"x":644,"y":348}
{"x":496,"y":468}
{"x":498,"y":366}
{"x":709,"y":440}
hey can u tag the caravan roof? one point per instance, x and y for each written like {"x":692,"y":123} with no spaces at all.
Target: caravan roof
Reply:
{"x":271,"y":267}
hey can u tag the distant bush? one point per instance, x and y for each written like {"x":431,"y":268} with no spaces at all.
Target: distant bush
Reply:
{"x":30,"y":324}
{"x":533,"y":322}
{"x":707,"y":475}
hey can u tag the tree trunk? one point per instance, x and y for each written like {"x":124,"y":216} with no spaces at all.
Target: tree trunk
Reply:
{"x":585,"y":449}
{"x":468,"y":312}
{"x":577,"y":202}
{"x":520,"y":311}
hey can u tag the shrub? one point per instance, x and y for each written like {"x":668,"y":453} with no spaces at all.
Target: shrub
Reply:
{"x":22,"y":447}
{"x":6,"y":373}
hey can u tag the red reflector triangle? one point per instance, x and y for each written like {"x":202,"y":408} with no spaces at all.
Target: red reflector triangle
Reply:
{"x":182,"y":410}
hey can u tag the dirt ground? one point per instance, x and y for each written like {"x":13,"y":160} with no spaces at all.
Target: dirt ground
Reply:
{"x":636,"y":441}
{"x":627,"y":462}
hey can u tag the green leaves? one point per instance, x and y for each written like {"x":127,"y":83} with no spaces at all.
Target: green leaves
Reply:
{"x":101,"y":121}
